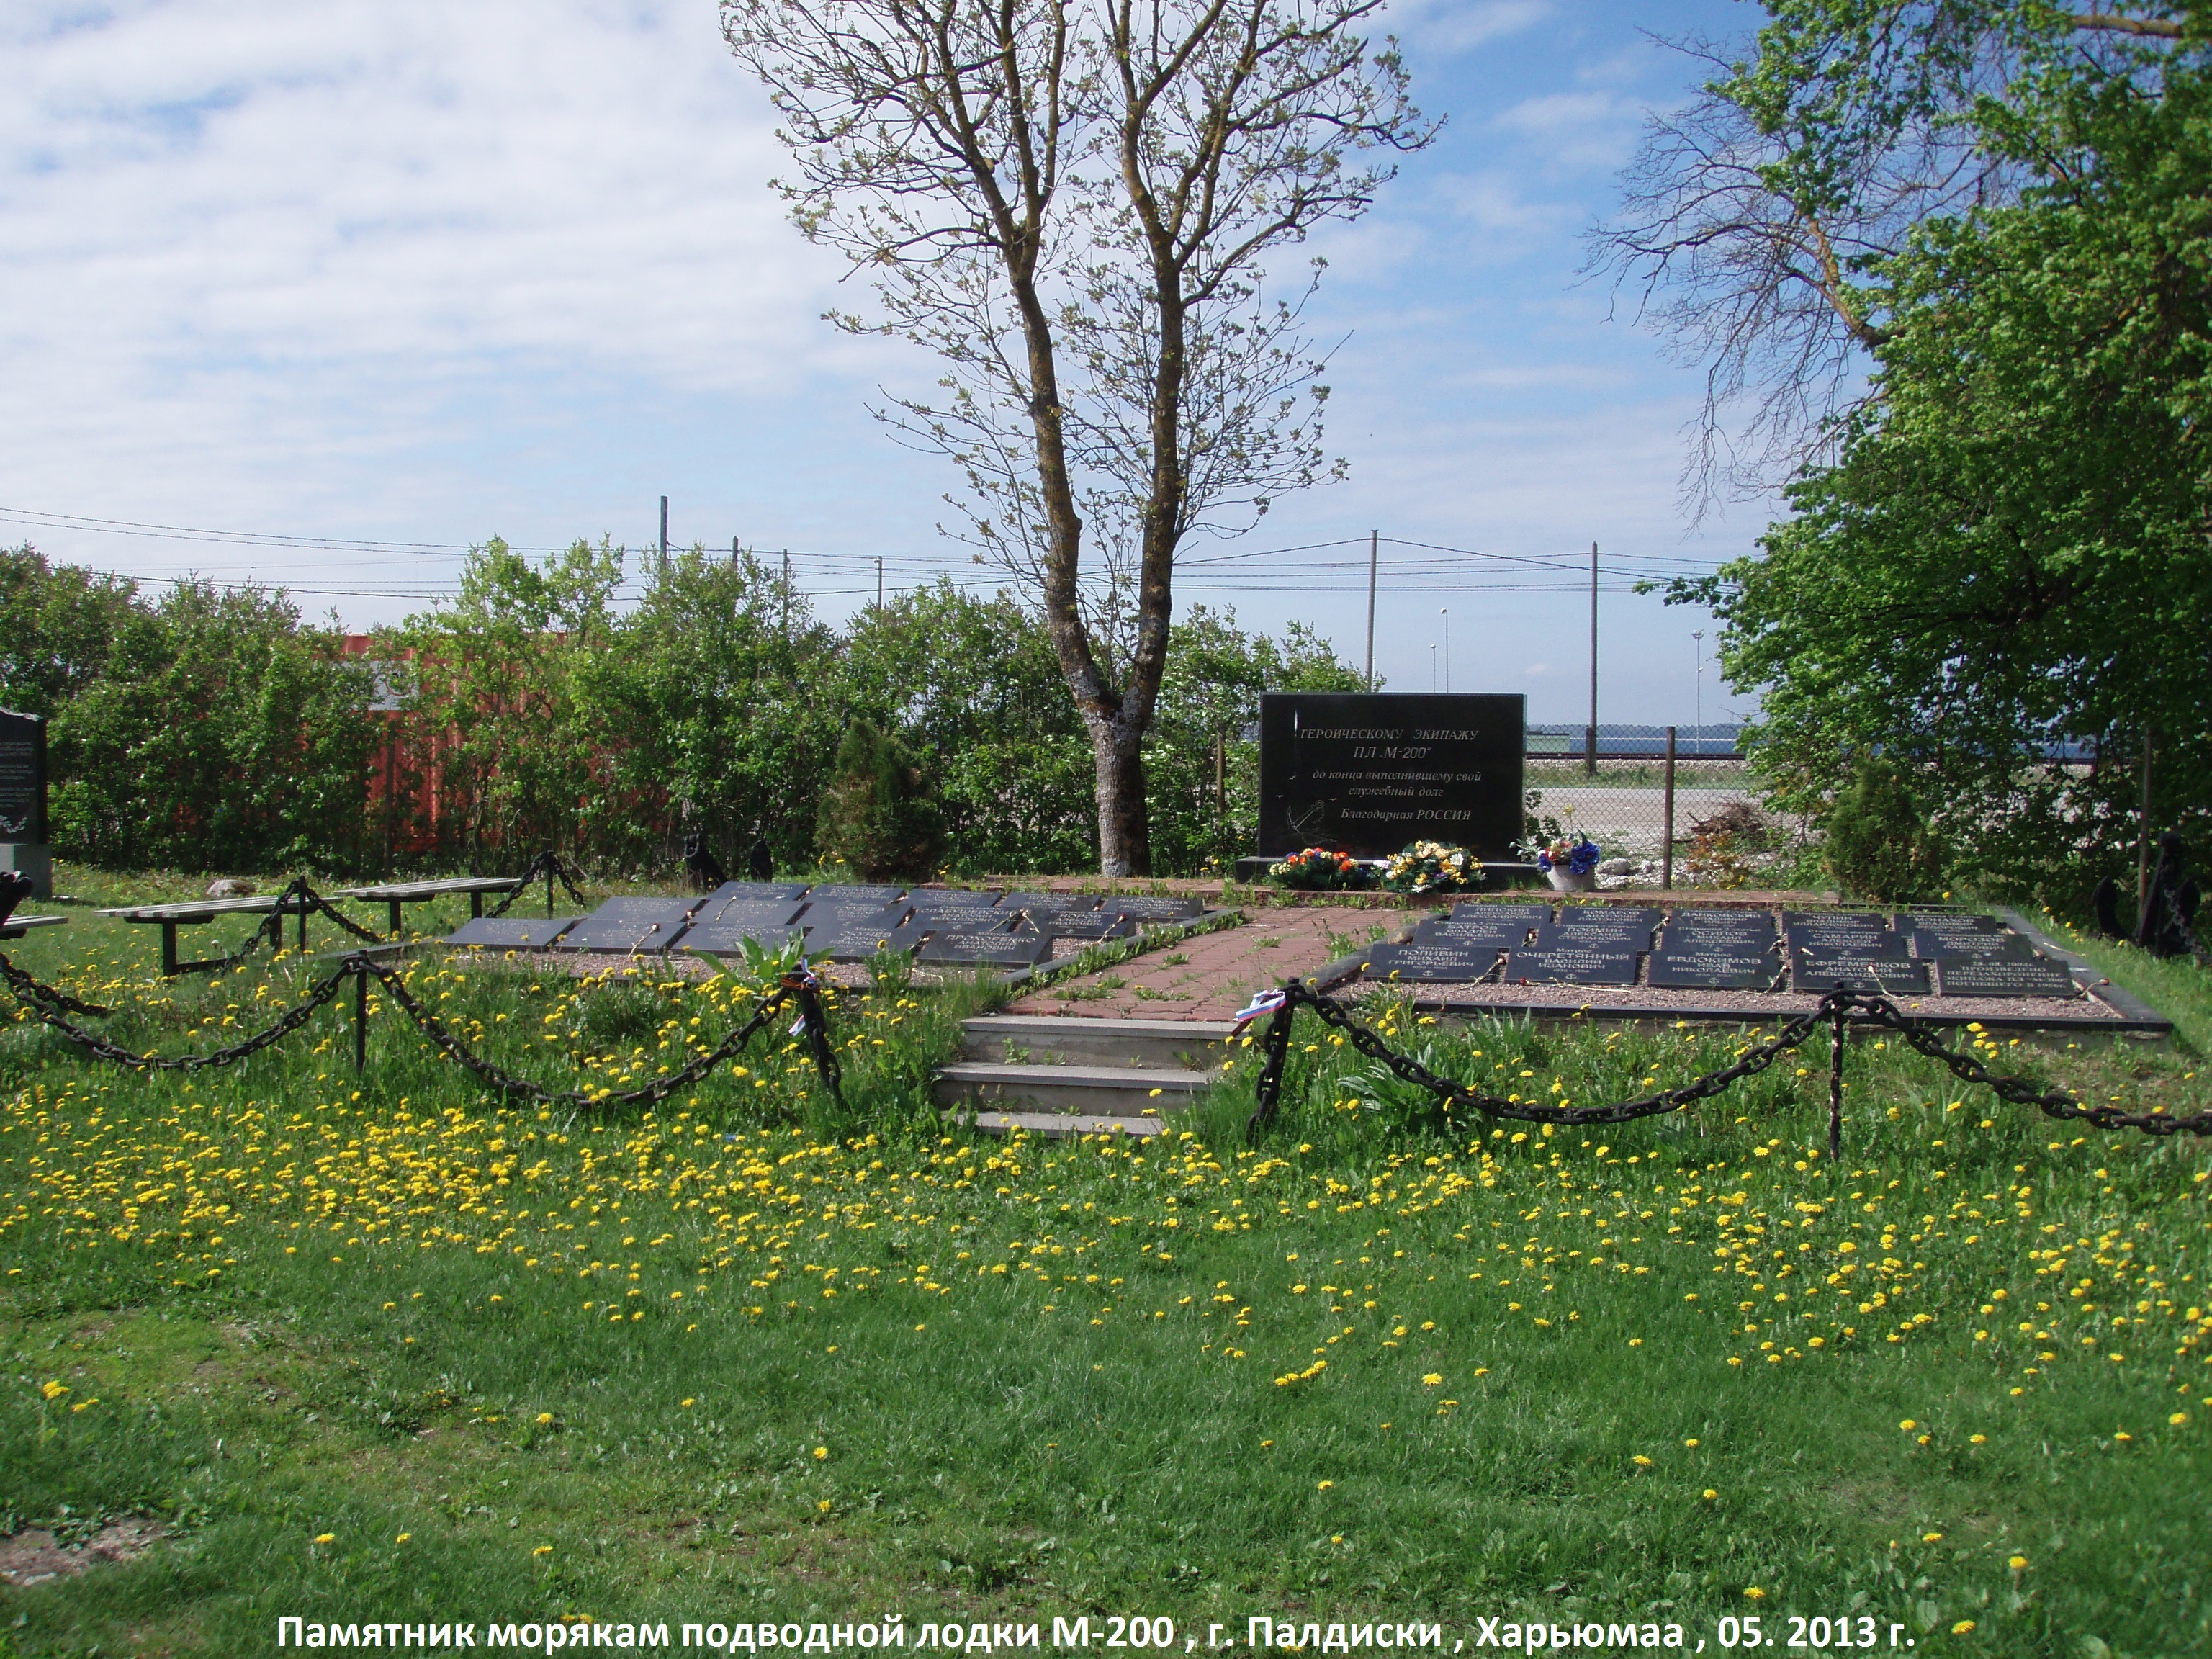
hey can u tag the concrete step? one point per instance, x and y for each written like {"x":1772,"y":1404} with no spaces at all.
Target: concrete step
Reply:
{"x":1189,"y":1045}
{"x":1118,"y":1091}
{"x":1065,"y":1125}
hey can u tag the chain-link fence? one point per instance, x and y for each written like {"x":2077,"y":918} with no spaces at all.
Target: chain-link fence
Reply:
{"x":1693,"y":818}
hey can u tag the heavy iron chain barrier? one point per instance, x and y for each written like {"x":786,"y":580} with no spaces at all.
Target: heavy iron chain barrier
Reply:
{"x":51,"y":1007}
{"x":546,"y":864}
{"x":1838,"y":1009}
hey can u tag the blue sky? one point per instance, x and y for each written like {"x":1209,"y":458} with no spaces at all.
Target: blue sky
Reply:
{"x":404,"y":272}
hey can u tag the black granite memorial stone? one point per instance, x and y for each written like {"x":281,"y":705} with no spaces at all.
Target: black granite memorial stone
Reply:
{"x":1572,"y":964}
{"x":750,"y":892}
{"x":840,"y":892}
{"x":1001,"y":949}
{"x":22,"y":778}
{"x":1431,"y":962}
{"x":1849,"y":941}
{"x":1944,"y":921}
{"x":1711,"y":963}
{"x":1041,"y":904}
{"x":1088,"y":924}
{"x":1469,"y":911}
{"x":1947,"y":947}
{"x":767,"y":926}
{"x":630,"y":924}
{"x":1816,"y":973}
{"x":1369,"y":773}
{"x":2003,"y":976}
{"x":857,"y":943}
{"x":511,"y":932}
{"x":1154,"y":909}
{"x":749,"y":913}
{"x":1472,"y":932}
{"x":1628,"y":934}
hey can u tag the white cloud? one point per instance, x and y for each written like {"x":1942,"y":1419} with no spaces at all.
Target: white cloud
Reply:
{"x":1458,"y":26}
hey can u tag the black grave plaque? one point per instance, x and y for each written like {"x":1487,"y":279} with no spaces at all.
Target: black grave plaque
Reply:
{"x":630,"y":924}
{"x":1594,"y":936}
{"x":840,"y":892}
{"x":1846,"y":941}
{"x":993,"y":949}
{"x":1472,"y":932}
{"x":1947,"y":947}
{"x":858,"y":943}
{"x":1088,"y":924}
{"x":22,"y":778}
{"x":2003,"y":976}
{"x":1713,"y":964}
{"x":1038,"y":904}
{"x":1572,"y":964}
{"x":1154,"y":909}
{"x":1944,"y":921}
{"x":1434,"y":961}
{"x":1818,"y":972}
{"x":511,"y":932}
{"x":1484,"y":910}
{"x":1369,"y":773}
{"x":751,"y":892}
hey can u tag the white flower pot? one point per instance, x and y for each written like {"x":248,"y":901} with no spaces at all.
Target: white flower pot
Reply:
{"x":1566,"y":881}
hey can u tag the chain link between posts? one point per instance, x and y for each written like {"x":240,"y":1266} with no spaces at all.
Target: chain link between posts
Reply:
{"x":1839,"y":1009}
{"x":51,"y":1007}
{"x":546,"y":864}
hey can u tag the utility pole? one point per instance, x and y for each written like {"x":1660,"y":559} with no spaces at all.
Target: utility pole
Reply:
{"x":1374,"y":543}
{"x":879,"y":582}
{"x":1446,"y":613}
{"x":733,"y":552}
{"x":787,"y":596}
{"x":1590,"y":747}
{"x":1667,"y":819}
{"x":664,"y":532}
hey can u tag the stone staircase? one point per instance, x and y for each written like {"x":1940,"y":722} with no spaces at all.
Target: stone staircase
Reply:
{"x":1055,"y":1075}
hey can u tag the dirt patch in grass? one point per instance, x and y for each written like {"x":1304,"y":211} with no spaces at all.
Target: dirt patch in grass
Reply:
{"x":35,"y":1555}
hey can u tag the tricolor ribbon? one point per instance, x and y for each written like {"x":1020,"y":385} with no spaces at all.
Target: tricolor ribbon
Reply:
{"x":1263,"y":1002}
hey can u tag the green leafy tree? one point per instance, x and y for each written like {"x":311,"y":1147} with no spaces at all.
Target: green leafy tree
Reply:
{"x":877,"y":814}
{"x":498,"y":721}
{"x":58,"y":627}
{"x":716,"y":705}
{"x":217,"y":734}
{"x":1878,"y":845}
{"x":973,"y":690}
{"x":2003,"y":548}
{"x":1203,"y":818}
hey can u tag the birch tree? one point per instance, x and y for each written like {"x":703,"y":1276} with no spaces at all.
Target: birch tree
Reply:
{"x":1072,"y":205}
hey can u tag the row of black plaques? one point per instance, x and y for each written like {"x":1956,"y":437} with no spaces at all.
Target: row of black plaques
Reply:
{"x":981,"y":928}
{"x":1911,"y":954}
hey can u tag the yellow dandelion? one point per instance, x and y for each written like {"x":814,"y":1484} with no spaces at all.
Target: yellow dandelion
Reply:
{"x":1963,"y":1627}
{"x":544,"y":1418}
{"x":1641,"y":1460}
{"x":326,"y":1537}
{"x":1709,"y":1494}
{"x":543,"y":1549}
{"x":1323,"y":1486}
{"x":2018,"y":1564}
{"x":1754,"y":1593}
{"x":821,"y":1452}
{"x":402,"y":1538}
{"x":1931,"y":1537}
{"x":1432,"y":1379}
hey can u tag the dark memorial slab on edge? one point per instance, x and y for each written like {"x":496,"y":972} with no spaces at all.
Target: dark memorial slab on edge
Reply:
{"x":855,"y":892}
{"x":750,"y":892}
{"x":1469,"y":910}
{"x":1038,"y":903}
{"x":1431,"y":962}
{"x":726,"y":934}
{"x":1371,"y":772}
{"x":1572,"y":964}
{"x":1470,"y":933}
{"x":1976,"y":946}
{"x":630,"y":924}
{"x":1816,"y":973}
{"x":857,"y":943}
{"x":1708,"y":963}
{"x":2003,"y":976}
{"x":1944,"y":921}
{"x":749,"y":913}
{"x":1154,"y":910}
{"x":1088,"y":924}
{"x":1591,"y":937}
{"x":993,"y":949}
{"x":511,"y":932}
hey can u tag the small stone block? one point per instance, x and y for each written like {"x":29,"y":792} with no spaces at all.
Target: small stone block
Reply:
{"x":998,"y":949}
{"x":1704,"y":965}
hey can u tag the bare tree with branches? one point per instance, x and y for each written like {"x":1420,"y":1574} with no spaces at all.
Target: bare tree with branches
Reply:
{"x":1755,"y":220}
{"x":1072,"y":203}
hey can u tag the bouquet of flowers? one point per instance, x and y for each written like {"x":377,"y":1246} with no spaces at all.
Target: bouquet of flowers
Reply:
{"x":1577,"y":857}
{"x":1320,"y":868}
{"x":1430,"y":867}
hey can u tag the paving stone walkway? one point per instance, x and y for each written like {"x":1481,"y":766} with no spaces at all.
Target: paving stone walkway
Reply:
{"x":1212,"y":977}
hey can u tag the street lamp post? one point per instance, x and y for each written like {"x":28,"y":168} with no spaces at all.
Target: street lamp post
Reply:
{"x":1447,"y":616}
{"x":1699,"y":636}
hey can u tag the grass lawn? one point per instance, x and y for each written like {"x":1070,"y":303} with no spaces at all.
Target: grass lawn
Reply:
{"x":384,"y":1348}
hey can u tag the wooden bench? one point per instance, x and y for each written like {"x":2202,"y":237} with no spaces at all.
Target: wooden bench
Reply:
{"x":396,"y":893}
{"x":193,"y":912}
{"x":16,"y":927}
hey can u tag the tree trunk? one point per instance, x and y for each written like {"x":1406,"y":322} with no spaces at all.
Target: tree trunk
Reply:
{"x":1125,"y":838}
